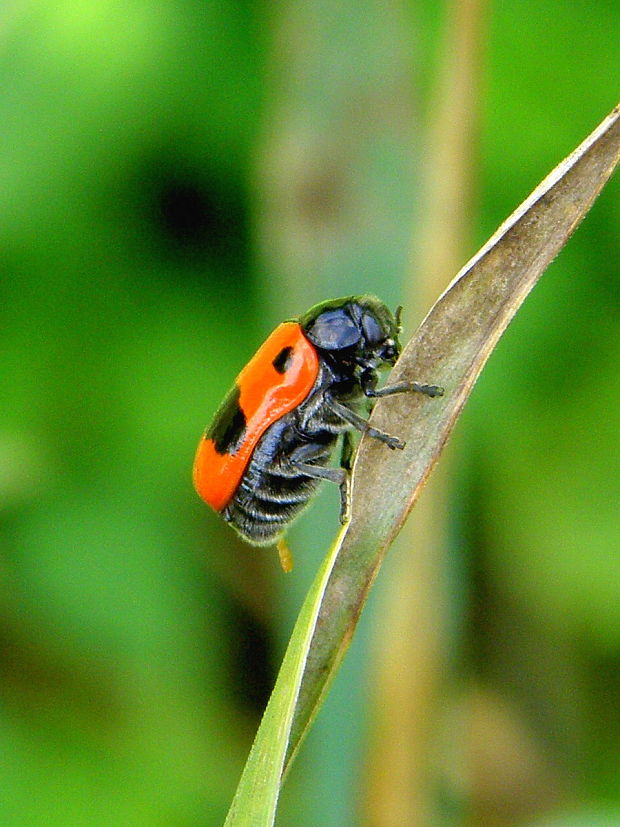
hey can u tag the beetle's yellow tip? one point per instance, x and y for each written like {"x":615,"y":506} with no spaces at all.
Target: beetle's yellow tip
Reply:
{"x":286,"y":558}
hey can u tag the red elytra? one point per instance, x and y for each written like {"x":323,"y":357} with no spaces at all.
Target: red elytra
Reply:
{"x":266,"y":393}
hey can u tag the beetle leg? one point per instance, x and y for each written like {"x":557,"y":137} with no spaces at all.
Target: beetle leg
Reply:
{"x":403,"y":387}
{"x":346,"y":455}
{"x":361,"y":424}
{"x":338,"y":475}
{"x":369,"y":380}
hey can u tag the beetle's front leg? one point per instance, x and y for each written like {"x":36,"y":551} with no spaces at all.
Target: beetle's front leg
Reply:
{"x":369,"y":380}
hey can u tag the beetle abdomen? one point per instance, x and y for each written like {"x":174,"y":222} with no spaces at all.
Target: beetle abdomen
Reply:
{"x":273,"y":492}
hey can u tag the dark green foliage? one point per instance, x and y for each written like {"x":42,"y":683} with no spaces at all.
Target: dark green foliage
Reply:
{"x":130,"y":295}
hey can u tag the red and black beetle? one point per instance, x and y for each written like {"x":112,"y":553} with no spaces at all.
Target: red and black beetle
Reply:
{"x":271,"y":439}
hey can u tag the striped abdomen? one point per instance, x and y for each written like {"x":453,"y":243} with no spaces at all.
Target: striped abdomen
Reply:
{"x":273,"y":492}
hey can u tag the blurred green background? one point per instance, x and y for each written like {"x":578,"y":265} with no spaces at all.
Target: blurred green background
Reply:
{"x":176,"y":178}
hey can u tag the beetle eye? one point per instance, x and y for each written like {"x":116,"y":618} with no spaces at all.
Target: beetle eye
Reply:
{"x":372,"y":329}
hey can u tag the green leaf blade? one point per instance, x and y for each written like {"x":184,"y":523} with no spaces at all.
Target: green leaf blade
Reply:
{"x":256,"y":798}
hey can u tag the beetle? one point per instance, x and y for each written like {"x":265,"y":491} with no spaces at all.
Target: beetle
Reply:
{"x":271,"y":439}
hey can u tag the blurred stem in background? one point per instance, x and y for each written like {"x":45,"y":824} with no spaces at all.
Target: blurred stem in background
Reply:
{"x":337,"y":174}
{"x":412,"y":671}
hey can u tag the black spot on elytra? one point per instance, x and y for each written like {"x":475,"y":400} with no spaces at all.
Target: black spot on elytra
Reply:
{"x":283,"y":359}
{"x":228,"y":427}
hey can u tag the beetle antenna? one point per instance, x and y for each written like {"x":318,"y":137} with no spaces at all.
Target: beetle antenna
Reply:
{"x":397,"y":316}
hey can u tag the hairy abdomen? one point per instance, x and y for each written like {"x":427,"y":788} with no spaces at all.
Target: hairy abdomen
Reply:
{"x":272,"y":492}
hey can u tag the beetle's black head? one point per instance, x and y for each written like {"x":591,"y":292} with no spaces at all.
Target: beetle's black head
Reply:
{"x":355,"y":330}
